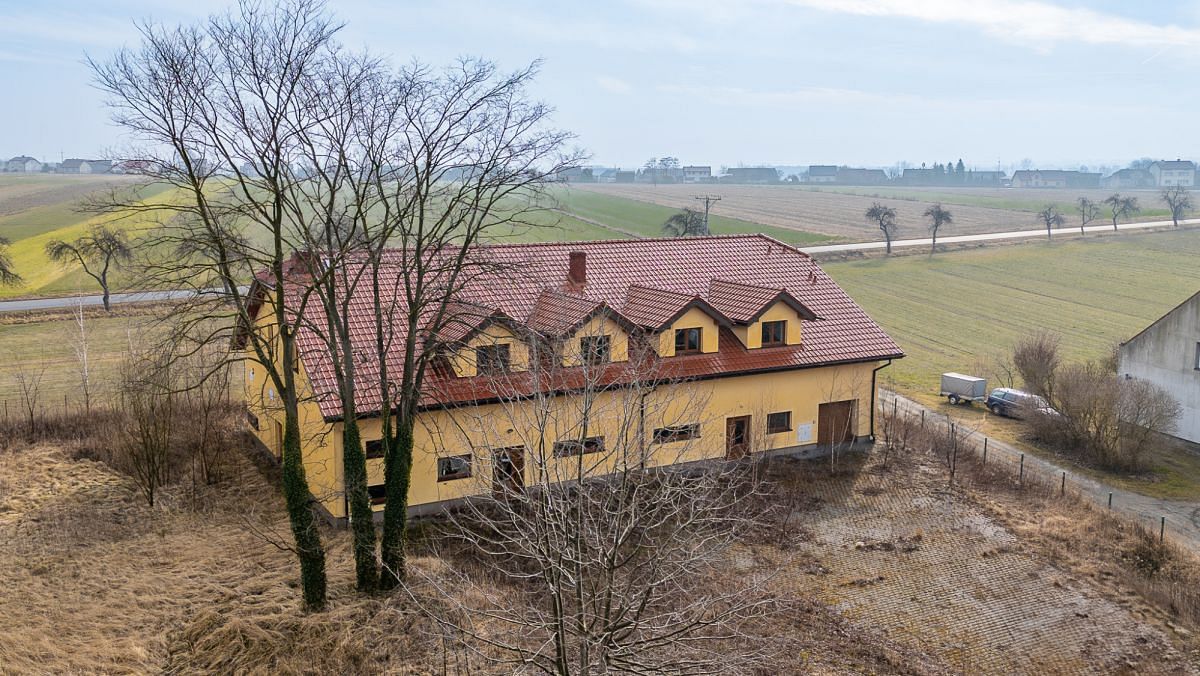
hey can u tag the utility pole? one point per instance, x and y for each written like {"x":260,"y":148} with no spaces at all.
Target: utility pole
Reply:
{"x":708,"y":200}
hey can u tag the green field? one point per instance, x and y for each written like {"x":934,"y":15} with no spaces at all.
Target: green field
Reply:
{"x":950,"y":311}
{"x":960,"y":310}
{"x":643,"y":219}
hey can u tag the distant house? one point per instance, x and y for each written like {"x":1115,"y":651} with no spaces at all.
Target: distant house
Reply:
{"x":751,"y":175}
{"x":625,"y":176}
{"x":23,"y":164}
{"x":1167,"y":353}
{"x":1177,"y":172}
{"x":575,"y":175}
{"x":78,"y":166}
{"x":1054,"y":178}
{"x":606,"y":176}
{"x":852,"y":176}
{"x":822,"y":173}
{"x":993,"y":179}
{"x":1124,"y":179}
{"x":697,"y":173}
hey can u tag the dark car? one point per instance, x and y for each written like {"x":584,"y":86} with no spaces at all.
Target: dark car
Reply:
{"x":1015,"y":403}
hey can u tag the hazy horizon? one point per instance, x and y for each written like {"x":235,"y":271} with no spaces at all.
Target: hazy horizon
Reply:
{"x":779,"y":82}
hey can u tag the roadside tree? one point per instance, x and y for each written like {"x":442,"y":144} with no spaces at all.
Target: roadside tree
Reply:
{"x":1088,"y":212}
{"x":1179,"y":201}
{"x":98,"y":252}
{"x":1121,"y":207}
{"x":938,"y":217}
{"x":1052,"y":218}
{"x":884,"y":217}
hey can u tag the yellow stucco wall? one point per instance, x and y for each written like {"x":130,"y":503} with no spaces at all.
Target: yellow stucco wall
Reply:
{"x":614,"y":415}
{"x":693,"y":318}
{"x":751,"y":336}
{"x":596,"y":326}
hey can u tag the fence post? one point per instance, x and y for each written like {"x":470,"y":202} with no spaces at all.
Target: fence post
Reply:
{"x":922,"y":418}
{"x":1110,"y":499}
{"x":1063,"y":489}
{"x":1162,"y":529}
{"x":985,"y":440}
{"x":1021,"y":479}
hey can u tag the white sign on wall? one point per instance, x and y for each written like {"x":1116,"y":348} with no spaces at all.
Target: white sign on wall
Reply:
{"x":804,"y":433}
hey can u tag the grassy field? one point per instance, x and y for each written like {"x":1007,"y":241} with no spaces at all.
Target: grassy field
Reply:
{"x":838,"y":211}
{"x":959,"y":310}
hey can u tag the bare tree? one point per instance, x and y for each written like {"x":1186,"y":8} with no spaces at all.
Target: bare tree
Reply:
{"x":1036,"y":358}
{"x":224,"y":111}
{"x":1179,"y":201}
{"x":80,"y":344}
{"x":98,"y":252}
{"x":29,"y":378}
{"x":603,"y":543}
{"x":687,"y":223}
{"x":148,"y":400}
{"x":8,"y":275}
{"x":1052,"y":218}
{"x":1121,"y":207}
{"x":938,"y":216}
{"x":205,"y":392}
{"x":884,"y":217}
{"x":1088,"y":212}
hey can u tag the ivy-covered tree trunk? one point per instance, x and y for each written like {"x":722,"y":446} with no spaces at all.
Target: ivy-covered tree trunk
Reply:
{"x":395,"y":511}
{"x":304,"y":525}
{"x":362,"y":518}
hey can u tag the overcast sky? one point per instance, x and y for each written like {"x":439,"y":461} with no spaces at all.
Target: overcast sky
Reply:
{"x":724,"y":82}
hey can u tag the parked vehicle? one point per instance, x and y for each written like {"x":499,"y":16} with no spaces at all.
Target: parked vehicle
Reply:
{"x":959,"y":388}
{"x":1012,"y":403}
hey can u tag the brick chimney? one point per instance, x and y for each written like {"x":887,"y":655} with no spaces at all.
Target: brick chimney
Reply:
{"x":577,"y":270}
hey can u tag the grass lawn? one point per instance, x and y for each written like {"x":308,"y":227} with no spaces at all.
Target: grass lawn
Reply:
{"x":646,"y":219}
{"x":958,"y":310}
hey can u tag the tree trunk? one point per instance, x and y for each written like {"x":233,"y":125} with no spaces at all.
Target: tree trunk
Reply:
{"x":300,"y":513}
{"x":395,"y":511}
{"x":362,"y":518}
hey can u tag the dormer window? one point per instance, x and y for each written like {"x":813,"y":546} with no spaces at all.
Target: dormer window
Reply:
{"x":492,"y":359}
{"x":687,"y":341}
{"x":595,"y":350}
{"x":774,"y":333}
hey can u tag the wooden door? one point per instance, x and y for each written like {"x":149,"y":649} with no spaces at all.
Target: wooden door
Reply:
{"x":835,"y":422}
{"x":737,"y":437}
{"x":508,"y":473}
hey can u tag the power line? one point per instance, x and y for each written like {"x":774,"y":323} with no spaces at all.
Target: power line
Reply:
{"x":708,"y":200}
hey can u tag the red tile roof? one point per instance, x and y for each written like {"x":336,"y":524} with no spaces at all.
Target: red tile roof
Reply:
{"x":649,"y":281}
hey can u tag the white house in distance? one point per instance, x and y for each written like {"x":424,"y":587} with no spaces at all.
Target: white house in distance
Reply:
{"x":23,"y":164}
{"x":1176,"y":172}
{"x":696,"y":173}
{"x":1167,"y":353}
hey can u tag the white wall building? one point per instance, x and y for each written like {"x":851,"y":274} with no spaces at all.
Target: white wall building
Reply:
{"x":1177,"y":172}
{"x":1167,"y":353}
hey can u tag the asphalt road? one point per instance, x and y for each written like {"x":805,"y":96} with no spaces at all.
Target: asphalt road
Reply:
{"x":989,"y":237}
{"x":1183,"y":518}
{"x":93,"y":301}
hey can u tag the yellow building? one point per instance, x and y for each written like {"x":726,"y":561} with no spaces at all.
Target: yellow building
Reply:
{"x":583,"y":356}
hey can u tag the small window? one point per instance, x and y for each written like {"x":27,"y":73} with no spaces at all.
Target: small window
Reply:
{"x":374,"y":449}
{"x":492,"y":359}
{"x":252,"y":419}
{"x":577,"y":447}
{"x":454,"y":467}
{"x":377,"y":493}
{"x":774,"y":333}
{"x":779,"y":422}
{"x":667,"y":435}
{"x":687,"y":340}
{"x":596,"y":350}
{"x":1197,"y":361}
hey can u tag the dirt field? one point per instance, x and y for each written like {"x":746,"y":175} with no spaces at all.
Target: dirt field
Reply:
{"x":838,"y":211}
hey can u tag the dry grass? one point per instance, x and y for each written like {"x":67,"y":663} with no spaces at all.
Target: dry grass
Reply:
{"x":97,"y":582}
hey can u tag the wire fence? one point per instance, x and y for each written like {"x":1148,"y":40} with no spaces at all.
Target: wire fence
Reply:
{"x":970,"y":456}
